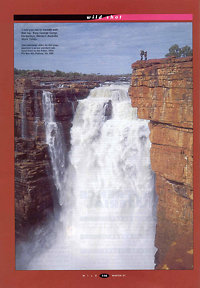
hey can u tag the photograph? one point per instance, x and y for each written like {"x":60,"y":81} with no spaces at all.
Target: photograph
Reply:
{"x":103,"y":139}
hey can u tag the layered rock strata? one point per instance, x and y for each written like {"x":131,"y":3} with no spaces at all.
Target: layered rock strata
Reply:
{"x":161,"y":89}
{"x":35,"y":195}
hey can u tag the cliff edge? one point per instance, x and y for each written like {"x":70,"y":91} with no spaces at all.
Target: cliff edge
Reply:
{"x":162,"y":89}
{"x":35,"y":191}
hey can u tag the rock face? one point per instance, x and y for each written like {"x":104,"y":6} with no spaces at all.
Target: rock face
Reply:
{"x":161,"y":89}
{"x":35,"y":192}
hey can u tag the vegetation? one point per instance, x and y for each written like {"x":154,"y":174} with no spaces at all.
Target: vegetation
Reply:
{"x":176,"y":51}
{"x":70,"y":76}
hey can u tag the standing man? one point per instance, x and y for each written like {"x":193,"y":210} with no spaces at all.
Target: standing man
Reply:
{"x":145,"y":55}
{"x":141,"y":54}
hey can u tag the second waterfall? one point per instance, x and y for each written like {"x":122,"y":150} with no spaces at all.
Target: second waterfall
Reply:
{"x":108,"y":213}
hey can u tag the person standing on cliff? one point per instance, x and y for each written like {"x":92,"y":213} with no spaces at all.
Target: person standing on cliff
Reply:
{"x":141,"y":54}
{"x":145,"y":55}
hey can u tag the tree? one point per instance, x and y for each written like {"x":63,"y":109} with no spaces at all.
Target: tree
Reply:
{"x":176,"y":51}
{"x":59,"y":73}
{"x":186,"y":51}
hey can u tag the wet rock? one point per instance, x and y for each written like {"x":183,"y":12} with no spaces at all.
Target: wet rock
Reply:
{"x":108,"y":109}
{"x":34,"y":186}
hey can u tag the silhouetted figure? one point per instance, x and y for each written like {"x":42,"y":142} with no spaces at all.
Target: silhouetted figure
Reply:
{"x":141,"y":54}
{"x":145,"y":55}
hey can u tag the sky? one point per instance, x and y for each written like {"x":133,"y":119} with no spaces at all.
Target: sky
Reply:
{"x":105,"y":48}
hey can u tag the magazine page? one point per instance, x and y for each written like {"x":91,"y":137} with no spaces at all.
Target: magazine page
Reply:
{"x":103,"y":112}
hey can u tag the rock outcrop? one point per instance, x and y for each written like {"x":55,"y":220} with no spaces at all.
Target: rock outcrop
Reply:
{"x":35,"y":195}
{"x":161,"y":89}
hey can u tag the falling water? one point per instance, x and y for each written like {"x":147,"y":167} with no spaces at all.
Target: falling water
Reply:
{"x":55,"y":141}
{"x":108,"y":218}
{"x":36,"y":111}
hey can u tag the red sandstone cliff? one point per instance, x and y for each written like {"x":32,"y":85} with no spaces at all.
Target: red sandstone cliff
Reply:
{"x":35,"y":195}
{"x":161,"y":89}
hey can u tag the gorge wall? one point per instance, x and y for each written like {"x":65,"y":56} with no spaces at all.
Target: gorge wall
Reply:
{"x":34,"y":185}
{"x":161,"y":89}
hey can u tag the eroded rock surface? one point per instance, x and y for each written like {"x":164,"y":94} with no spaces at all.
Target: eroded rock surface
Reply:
{"x":161,"y":89}
{"x":35,"y":191}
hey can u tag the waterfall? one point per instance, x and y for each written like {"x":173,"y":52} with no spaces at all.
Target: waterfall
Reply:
{"x":56,"y":143}
{"x":36,"y":112}
{"x":108,"y":215}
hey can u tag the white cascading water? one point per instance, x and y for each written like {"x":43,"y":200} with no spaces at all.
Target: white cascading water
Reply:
{"x":108,"y":214}
{"x":55,"y":141}
{"x":36,"y":112}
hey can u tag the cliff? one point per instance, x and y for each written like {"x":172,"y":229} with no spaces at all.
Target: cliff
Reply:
{"x":35,"y":191}
{"x":161,"y":89}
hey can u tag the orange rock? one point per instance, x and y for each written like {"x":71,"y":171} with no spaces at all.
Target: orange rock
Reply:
{"x":173,"y":163}
{"x":171,"y":136}
{"x":161,"y":89}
